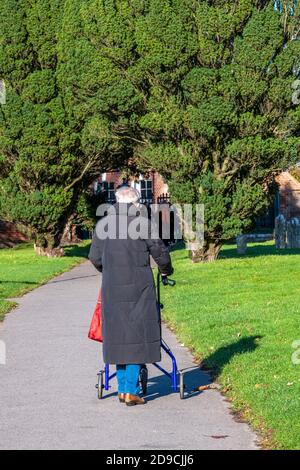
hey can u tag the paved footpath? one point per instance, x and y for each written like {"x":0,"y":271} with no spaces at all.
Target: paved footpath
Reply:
{"x":47,"y":387}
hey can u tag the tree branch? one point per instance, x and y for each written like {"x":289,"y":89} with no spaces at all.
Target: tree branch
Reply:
{"x":80,"y":177}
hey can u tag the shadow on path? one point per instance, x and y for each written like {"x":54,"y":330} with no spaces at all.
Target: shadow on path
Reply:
{"x":160,"y":386}
{"x":72,"y":278}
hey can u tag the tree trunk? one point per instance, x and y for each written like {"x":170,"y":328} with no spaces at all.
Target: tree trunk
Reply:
{"x":48,"y":245}
{"x":209,"y":252}
{"x":49,"y":252}
{"x":69,"y":233}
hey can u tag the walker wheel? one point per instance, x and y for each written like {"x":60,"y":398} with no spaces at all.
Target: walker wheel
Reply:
{"x":100,"y":385}
{"x":181,"y":385}
{"x":144,"y":379}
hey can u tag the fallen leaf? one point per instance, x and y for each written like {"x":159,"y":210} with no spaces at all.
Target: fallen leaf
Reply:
{"x":261,"y":385}
{"x":204,"y":387}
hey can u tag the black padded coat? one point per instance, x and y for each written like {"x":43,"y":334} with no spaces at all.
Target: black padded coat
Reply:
{"x":131,"y":324}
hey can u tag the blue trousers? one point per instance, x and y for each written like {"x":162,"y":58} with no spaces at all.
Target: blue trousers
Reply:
{"x":128,"y":378}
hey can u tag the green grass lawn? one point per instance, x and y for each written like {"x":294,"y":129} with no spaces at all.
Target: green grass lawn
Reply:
{"x":241,"y":315}
{"x":22,"y":270}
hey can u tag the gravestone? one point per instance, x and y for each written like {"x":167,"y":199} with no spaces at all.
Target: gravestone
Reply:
{"x":293,"y":233}
{"x":280,"y":232}
{"x":242,"y":240}
{"x":241,"y":244}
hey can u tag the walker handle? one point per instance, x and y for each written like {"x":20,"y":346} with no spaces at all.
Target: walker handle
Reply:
{"x":168,"y":282}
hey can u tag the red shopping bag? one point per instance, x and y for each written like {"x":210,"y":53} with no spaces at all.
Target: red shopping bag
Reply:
{"x":95,"y":332}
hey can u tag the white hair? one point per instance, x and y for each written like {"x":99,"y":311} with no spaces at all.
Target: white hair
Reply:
{"x":127,"y":195}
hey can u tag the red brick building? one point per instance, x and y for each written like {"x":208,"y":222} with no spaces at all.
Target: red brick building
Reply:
{"x":289,"y":195}
{"x":151,"y":186}
{"x":286,"y":202}
{"x":10,"y":235}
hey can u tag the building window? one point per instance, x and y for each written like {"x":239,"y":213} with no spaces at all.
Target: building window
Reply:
{"x":111,"y":192}
{"x":146,"y":191}
{"x":108,"y":191}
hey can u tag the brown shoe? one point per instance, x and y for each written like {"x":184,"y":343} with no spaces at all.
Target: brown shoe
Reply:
{"x":132,"y":400}
{"x":121,"y":397}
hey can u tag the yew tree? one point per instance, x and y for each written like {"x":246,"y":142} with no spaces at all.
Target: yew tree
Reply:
{"x":220,"y":121}
{"x":53,"y":142}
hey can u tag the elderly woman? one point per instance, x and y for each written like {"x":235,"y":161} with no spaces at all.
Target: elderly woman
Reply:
{"x":131,"y":324}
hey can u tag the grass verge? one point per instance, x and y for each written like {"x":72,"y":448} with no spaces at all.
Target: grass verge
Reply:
{"x":22,"y":270}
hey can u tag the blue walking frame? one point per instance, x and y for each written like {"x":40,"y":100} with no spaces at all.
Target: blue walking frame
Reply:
{"x":172,"y":375}
{"x":104,"y":376}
